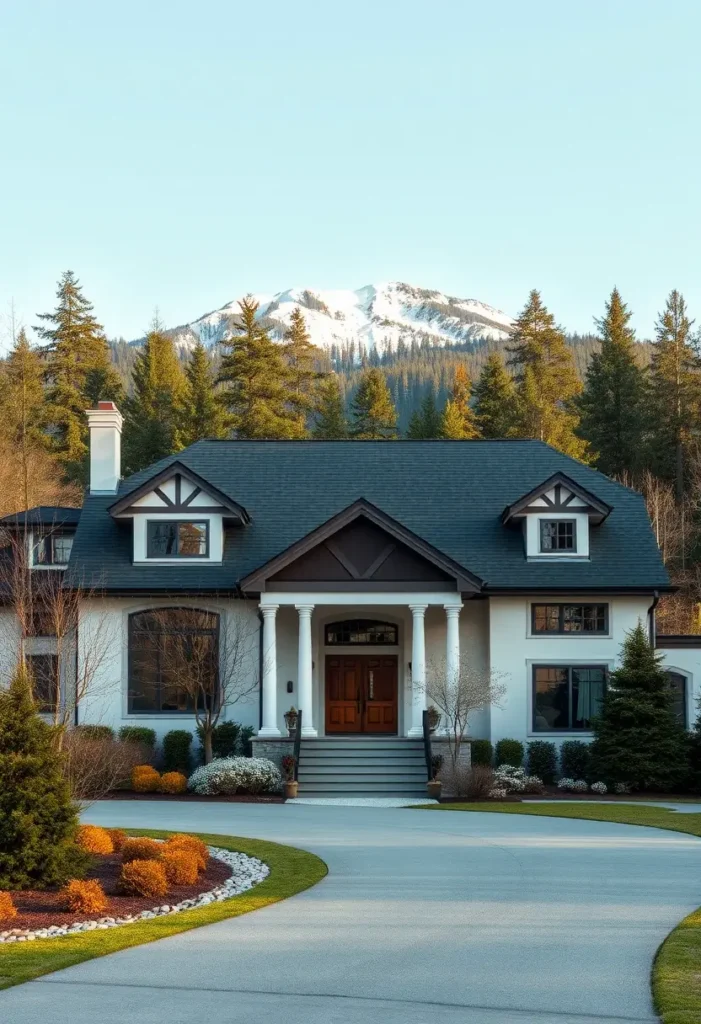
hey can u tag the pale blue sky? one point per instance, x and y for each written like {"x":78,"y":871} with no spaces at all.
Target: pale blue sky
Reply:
{"x":177,"y":154}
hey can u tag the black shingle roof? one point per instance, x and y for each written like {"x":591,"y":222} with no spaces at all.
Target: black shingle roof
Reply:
{"x":43,"y":515}
{"x":451,"y":493}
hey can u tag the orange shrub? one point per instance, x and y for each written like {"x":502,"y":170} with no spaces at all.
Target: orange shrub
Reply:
{"x":141,"y":849}
{"x":118,"y":838}
{"x":145,"y":779}
{"x":192,"y":844}
{"x":7,"y":908}
{"x":94,"y":839}
{"x":143,"y":878}
{"x":83,"y":897}
{"x":173,"y":782}
{"x":180,"y":867}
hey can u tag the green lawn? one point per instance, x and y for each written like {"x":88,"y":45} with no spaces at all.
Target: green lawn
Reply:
{"x":676,"y":974}
{"x":291,"y":871}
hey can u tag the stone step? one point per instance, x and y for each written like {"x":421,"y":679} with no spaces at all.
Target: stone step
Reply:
{"x":352,"y":788}
{"x":368,"y":771}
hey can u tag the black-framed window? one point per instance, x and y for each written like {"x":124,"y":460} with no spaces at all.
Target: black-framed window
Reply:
{"x":570,"y":618}
{"x":173,"y":661}
{"x":677,"y":685}
{"x":558,"y":535}
{"x":177,"y":538}
{"x":360,"y":631}
{"x":567,"y":697}
{"x":54,"y":549}
{"x":43,"y":668}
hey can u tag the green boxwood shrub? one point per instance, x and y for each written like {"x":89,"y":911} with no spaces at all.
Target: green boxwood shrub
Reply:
{"x":138,"y":734}
{"x":245,"y":736}
{"x":575,"y":760}
{"x":229,"y":739}
{"x":481,"y":752}
{"x":542,"y":761}
{"x":96,"y":732}
{"x":509,"y":752}
{"x":176,"y":751}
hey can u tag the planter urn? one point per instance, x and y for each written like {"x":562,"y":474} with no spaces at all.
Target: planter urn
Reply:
{"x":433,"y":789}
{"x":434,"y":719}
{"x":291,"y":788}
{"x":291,"y":722}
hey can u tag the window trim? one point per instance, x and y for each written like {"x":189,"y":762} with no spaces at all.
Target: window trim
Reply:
{"x":561,"y":605}
{"x":569,"y":665}
{"x":46,"y":540}
{"x":178,"y":522}
{"x":351,"y":643}
{"x":555,"y":552}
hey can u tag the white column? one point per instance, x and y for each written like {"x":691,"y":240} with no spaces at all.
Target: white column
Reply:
{"x":304,"y":668}
{"x":269,"y":726}
{"x":418,"y":669}
{"x":452,"y":648}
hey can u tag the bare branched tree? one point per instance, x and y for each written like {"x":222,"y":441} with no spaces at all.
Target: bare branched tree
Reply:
{"x":459,"y":692}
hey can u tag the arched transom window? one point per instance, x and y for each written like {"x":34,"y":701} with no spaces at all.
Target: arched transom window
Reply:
{"x":360,"y":631}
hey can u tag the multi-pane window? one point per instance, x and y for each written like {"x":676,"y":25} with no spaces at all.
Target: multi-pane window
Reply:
{"x":558,"y":535}
{"x":54,"y":549}
{"x":566,"y":697}
{"x":173,"y":660}
{"x":177,"y":539}
{"x":569,"y":618}
{"x":43,"y":669}
{"x":360,"y":631}
{"x":677,"y":686}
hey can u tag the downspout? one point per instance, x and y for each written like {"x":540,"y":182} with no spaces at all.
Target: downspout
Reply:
{"x":651,"y":618}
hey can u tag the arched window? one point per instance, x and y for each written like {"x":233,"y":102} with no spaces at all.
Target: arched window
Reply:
{"x":173,"y":660}
{"x":677,"y":684}
{"x":360,"y":631}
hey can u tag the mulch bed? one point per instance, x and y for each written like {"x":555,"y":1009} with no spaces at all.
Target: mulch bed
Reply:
{"x":128,"y":794}
{"x":43,"y":908}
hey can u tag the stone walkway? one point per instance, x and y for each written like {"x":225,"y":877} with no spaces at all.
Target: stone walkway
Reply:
{"x":448,"y":918}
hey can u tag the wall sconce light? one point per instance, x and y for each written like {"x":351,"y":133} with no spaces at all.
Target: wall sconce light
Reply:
{"x":290,"y":686}
{"x":410,"y":666}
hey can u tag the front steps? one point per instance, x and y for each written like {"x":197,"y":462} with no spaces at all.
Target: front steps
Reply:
{"x":381,"y":766}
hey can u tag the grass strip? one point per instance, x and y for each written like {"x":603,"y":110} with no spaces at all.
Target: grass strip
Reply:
{"x":291,"y":871}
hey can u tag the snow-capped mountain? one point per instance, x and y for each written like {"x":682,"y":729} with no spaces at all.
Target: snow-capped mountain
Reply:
{"x":377,"y":316}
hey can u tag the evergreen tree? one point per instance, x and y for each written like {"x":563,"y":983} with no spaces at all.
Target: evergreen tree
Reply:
{"x":638,"y":739}
{"x":255,"y":379}
{"x":330,"y":420}
{"x":425,"y":423}
{"x":22,"y":409}
{"x":374,"y":415}
{"x":613,"y":403}
{"x":78,"y":373}
{"x":303,"y":376}
{"x":155,"y":412}
{"x":695,"y":754}
{"x":38,"y":820}
{"x":676,"y":391}
{"x":204,"y":414}
{"x":458,"y":420}
{"x":495,"y":399}
{"x":546,"y":379}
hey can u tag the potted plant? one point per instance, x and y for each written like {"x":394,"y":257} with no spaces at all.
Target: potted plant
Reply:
{"x":288,"y":765}
{"x":434,"y":786}
{"x":291,"y":721}
{"x":434,"y":718}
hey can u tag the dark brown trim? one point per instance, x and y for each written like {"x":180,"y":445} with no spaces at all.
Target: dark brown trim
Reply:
{"x":126,"y":503}
{"x":361,"y":587}
{"x":164,"y":497}
{"x":380,"y":560}
{"x":597,"y":510}
{"x":191,"y":496}
{"x":672,"y":641}
{"x":340,"y":557}
{"x":174,"y":509}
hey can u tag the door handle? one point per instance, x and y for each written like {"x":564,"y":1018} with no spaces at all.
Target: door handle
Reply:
{"x":371,"y":680}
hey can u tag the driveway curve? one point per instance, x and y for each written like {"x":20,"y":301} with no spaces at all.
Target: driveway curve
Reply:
{"x":424,"y":917}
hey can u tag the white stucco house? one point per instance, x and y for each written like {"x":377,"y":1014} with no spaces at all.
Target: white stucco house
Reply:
{"x":355,"y":565}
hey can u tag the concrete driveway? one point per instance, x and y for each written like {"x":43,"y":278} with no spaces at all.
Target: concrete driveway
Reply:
{"x":424,"y":917}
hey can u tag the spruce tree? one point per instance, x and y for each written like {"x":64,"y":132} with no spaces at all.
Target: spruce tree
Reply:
{"x":330,"y":423}
{"x":155,"y":412}
{"x":612,"y":405}
{"x":676,"y":392}
{"x":458,"y":421}
{"x":22,"y":409}
{"x":495,"y":399}
{"x":425,"y":423}
{"x":303,"y":376}
{"x":78,"y":373}
{"x":203,"y":414}
{"x":255,"y":378}
{"x":546,"y":380}
{"x":372,"y":409}
{"x":637,"y":738}
{"x":38,"y":820}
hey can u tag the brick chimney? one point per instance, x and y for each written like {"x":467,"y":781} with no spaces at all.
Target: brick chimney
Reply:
{"x":105,"y":424}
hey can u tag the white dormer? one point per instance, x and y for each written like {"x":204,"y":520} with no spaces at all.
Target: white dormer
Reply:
{"x":556,"y":518}
{"x":178,"y":517}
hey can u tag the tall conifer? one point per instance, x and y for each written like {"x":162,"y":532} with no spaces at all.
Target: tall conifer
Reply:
{"x":374,"y":415}
{"x":425,"y":422}
{"x":495,"y":399}
{"x":204,"y":414}
{"x":22,"y":410}
{"x":458,"y":420}
{"x":303,"y":376}
{"x":330,"y":422}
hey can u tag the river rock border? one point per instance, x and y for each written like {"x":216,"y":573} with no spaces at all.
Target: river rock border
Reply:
{"x":246,"y":873}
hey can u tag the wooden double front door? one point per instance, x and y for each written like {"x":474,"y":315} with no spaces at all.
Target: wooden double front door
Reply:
{"x":361,"y":693}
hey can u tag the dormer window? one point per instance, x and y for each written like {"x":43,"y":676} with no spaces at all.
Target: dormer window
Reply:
{"x":558,"y":535}
{"x":53,"y":550}
{"x":177,"y":538}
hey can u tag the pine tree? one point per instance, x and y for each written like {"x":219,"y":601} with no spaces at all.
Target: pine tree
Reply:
{"x":38,"y":820}
{"x":22,"y":410}
{"x":330,"y":422}
{"x":425,"y":423}
{"x":303,"y":376}
{"x":374,"y":415}
{"x":458,"y":420}
{"x":204,"y":414}
{"x":676,"y":392}
{"x":155,"y":412}
{"x":78,"y":373}
{"x":637,"y":738}
{"x":495,"y":400}
{"x":546,"y":380}
{"x":612,"y":405}
{"x":255,"y":379}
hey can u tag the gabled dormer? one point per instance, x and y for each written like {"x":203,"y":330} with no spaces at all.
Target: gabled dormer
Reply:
{"x":556,"y":518}
{"x":45,"y":533}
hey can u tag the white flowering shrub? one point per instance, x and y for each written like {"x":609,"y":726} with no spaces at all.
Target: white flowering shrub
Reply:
{"x":565,"y":784}
{"x":599,"y":787}
{"x":580,"y":786}
{"x":622,"y":788}
{"x":226,"y":776}
{"x":533,"y":784}
{"x":513,"y":780}
{"x":497,"y":793}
